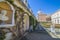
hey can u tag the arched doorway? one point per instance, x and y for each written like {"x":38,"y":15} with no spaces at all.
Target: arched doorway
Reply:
{"x":26,"y":22}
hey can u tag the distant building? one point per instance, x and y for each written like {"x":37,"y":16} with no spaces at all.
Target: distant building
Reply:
{"x":55,"y":18}
{"x":48,"y":18}
{"x":43,"y":17}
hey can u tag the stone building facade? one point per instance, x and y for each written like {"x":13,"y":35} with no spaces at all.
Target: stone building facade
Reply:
{"x":41,"y":17}
{"x":18,"y":18}
{"x":55,"y":18}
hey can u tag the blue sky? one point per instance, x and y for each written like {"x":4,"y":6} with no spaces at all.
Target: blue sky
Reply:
{"x":46,"y":6}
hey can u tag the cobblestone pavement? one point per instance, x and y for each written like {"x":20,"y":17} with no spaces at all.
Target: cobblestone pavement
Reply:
{"x":39,"y":35}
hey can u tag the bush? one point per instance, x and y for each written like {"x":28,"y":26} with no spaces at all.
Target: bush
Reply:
{"x":46,"y":24}
{"x":34,"y":27}
{"x":2,"y":35}
{"x":57,"y":25}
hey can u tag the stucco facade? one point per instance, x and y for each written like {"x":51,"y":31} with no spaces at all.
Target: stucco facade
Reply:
{"x":55,"y":18}
{"x":41,"y":17}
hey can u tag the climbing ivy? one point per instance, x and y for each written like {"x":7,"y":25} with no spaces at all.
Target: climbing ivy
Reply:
{"x":33,"y":22}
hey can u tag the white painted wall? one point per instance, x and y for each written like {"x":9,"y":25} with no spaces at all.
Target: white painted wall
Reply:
{"x":55,"y":18}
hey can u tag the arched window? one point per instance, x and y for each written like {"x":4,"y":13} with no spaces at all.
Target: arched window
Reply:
{"x":6,"y":14}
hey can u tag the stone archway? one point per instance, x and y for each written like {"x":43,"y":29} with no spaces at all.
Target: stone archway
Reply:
{"x":26,"y":22}
{"x":7,"y":10}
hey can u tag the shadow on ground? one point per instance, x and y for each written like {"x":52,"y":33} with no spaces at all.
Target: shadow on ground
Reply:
{"x":38,"y":35}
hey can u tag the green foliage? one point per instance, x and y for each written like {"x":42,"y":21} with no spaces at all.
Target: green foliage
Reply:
{"x":11,"y":1}
{"x":46,"y":24}
{"x":34,"y":27}
{"x":2,"y":35}
{"x":33,"y":22}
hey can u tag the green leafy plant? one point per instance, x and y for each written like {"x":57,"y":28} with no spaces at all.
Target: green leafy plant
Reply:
{"x":11,"y":1}
{"x":2,"y":35}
